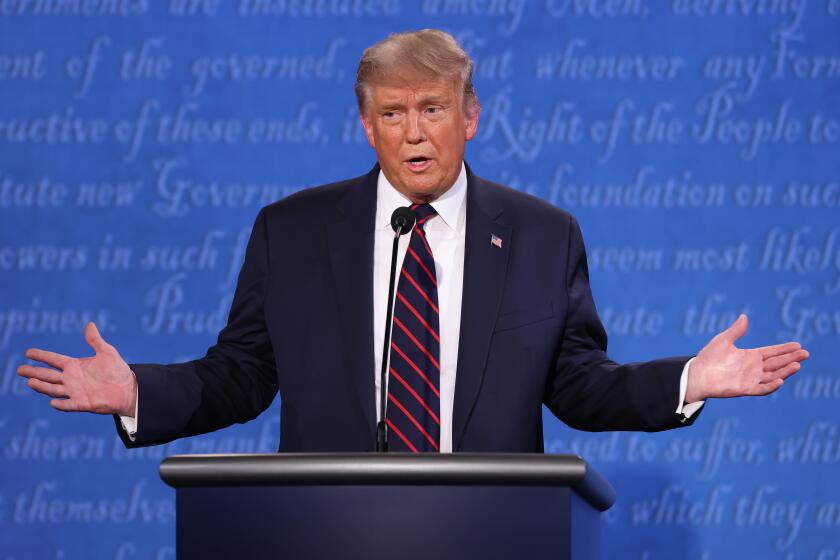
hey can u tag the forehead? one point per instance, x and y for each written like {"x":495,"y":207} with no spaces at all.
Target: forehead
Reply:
{"x":407,"y":91}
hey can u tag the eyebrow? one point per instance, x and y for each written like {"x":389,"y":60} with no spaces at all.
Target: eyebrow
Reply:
{"x":389,"y":105}
{"x":434,"y":99}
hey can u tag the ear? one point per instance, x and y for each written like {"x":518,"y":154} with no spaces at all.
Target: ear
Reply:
{"x":368,"y":130}
{"x":472,"y":124}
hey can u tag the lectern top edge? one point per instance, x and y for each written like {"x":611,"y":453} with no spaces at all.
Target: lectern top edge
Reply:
{"x":389,"y":469}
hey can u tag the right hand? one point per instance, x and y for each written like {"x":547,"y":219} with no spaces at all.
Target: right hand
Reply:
{"x":103,"y":384}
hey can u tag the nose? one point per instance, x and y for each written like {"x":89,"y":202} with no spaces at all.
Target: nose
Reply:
{"x":414,"y":133}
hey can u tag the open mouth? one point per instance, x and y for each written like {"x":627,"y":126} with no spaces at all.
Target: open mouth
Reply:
{"x":418,"y":163}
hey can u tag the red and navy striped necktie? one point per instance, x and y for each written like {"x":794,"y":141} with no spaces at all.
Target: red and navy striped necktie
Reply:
{"x":413,"y":411}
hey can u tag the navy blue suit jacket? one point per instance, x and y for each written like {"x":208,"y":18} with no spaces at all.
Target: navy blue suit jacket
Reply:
{"x":302,"y":322}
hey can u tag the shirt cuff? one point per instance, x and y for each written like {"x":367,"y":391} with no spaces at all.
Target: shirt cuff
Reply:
{"x":684,"y":408}
{"x":129,"y":424}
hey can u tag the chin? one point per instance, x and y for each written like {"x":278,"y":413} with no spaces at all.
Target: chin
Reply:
{"x":426,"y":194}
{"x":424,"y":184}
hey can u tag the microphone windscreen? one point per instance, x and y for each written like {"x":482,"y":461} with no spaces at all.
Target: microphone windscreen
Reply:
{"x":403,"y":219}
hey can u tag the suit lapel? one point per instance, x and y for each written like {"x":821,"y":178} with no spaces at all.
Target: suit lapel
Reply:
{"x":350,"y":238}
{"x":485,"y":268}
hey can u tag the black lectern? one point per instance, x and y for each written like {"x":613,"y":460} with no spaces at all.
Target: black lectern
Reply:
{"x":372,"y":506}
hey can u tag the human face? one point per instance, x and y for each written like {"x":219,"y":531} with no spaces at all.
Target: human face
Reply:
{"x":419,"y":132}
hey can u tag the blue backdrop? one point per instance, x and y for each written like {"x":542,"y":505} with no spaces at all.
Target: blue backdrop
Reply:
{"x":697,"y":142}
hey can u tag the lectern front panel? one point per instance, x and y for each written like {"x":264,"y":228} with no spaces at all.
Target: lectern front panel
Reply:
{"x":373,"y":522}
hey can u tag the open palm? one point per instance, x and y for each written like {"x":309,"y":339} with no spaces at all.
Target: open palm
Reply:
{"x":103,"y":383}
{"x":723,"y":370}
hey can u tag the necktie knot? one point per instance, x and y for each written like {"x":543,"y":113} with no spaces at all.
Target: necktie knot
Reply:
{"x":423,"y":212}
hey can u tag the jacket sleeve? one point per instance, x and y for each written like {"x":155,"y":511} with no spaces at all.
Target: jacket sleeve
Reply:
{"x":234,"y":382}
{"x":586,"y":389}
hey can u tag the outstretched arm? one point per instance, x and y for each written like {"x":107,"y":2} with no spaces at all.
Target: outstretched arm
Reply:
{"x":233,"y":382}
{"x":589,"y":391}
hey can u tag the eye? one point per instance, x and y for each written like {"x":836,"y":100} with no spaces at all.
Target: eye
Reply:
{"x":433,"y":110}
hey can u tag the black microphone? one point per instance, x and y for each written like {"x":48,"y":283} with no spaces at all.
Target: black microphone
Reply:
{"x":402,"y":220}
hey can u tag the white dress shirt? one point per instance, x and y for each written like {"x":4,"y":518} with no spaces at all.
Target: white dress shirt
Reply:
{"x":445,"y":234}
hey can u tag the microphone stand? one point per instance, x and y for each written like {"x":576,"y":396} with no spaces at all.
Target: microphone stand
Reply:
{"x":402,"y":220}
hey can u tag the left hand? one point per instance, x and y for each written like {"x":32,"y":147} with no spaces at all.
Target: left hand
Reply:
{"x":723,"y":370}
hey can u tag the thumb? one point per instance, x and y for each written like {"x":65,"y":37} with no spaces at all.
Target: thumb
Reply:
{"x":94,"y":339}
{"x":737,"y":329}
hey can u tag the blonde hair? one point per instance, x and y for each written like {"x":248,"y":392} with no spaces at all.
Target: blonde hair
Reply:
{"x":428,"y":53}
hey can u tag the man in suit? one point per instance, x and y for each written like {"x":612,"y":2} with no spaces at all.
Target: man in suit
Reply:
{"x":493,"y":312}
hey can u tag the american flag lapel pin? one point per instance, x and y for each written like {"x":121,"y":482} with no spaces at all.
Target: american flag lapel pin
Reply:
{"x":495,"y":241}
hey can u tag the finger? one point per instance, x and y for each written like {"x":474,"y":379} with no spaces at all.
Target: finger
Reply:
{"x":65,"y":405}
{"x":769,"y":387}
{"x":58,"y":361}
{"x":737,"y":329}
{"x":778,"y":349}
{"x":42,"y":373}
{"x":49,"y":389}
{"x":94,"y":339}
{"x":772,"y":364}
{"x":782,"y":373}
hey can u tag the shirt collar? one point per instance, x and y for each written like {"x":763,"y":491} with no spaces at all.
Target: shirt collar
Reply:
{"x":449,"y":206}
